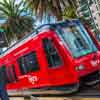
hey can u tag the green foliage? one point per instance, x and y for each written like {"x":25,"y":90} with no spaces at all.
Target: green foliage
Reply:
{"x":17,"y":27}
{"x":42,"y":7}
{"x":69,"y":12}
{"x":16,"y":24}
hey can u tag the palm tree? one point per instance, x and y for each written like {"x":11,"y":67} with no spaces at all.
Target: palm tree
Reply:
{"x":16,"y":24}
{"x":73,"y":3}
{"x":69,"y":12}
{"x":41,"y":7}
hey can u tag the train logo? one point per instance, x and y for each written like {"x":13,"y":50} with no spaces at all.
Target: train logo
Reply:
{"x":32,"y":79}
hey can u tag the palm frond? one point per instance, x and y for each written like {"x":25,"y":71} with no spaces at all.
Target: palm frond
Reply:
{"x":4,"y":11}
{"x":16,"y":24}
{"x":41,"y":7}
{"x":17,"y":8}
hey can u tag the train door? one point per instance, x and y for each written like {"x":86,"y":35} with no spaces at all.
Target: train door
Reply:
{"x":32,"y":74}
{"x":57,"y":70}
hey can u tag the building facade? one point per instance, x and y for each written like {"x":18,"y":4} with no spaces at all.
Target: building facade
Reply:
{"x":89,"y":10}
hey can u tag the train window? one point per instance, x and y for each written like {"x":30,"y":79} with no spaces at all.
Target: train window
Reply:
{"x":3,"y":74}
{"x":52,"y":55}
{"x":14,"y":72}
{"x":11,"y":74}
{"x":28,"y":63}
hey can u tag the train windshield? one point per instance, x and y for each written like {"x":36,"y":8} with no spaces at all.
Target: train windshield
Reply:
{"x":77,"y":40}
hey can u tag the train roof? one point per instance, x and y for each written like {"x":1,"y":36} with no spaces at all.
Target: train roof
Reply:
{"x":36,"y":31}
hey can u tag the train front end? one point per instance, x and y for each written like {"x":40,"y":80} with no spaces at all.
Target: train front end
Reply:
{"x":84,"y":52}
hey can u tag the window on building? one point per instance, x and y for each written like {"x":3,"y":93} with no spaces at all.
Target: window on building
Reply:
{"x":97,"y":25}
{"x":52,"y":54}
{"x":92,"y":11}
{"x":94,"y":18}
{"x":28,"y":63}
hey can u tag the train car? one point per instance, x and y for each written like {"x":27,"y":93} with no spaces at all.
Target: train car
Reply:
{"x":95,"y":37}
{"x":53,"y":56}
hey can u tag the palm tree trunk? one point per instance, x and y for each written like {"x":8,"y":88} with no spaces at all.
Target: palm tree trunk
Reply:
{"x":72,"y":3}
{"x":57,"y":10}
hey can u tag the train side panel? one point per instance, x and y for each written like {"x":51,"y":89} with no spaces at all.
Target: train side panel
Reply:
{"x":45,"y":75}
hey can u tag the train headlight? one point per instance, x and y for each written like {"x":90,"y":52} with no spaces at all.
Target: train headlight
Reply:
{"x":79,"y":68}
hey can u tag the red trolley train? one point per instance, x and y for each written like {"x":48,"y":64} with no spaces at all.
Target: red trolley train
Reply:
{"x":55,"y":55}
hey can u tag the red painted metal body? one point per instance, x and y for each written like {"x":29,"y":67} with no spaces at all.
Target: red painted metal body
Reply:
{"x":92,"y":35}
{"x":64,"y":74}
